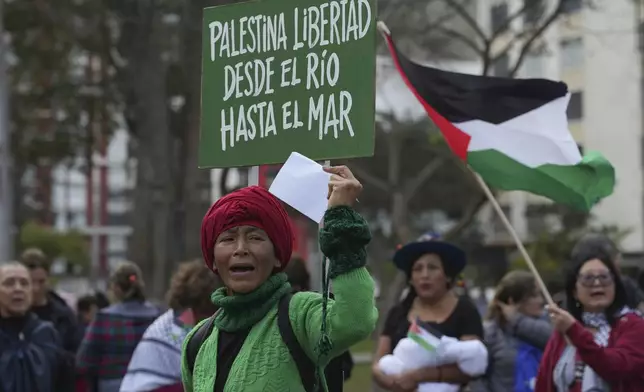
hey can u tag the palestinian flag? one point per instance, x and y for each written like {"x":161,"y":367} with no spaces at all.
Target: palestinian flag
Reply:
{"x":512,"y":132}
{"x":422,"y":337}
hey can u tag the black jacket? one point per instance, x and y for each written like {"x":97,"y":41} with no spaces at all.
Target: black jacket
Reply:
{"x":62,"y":316}
{"x":66,"y":324}
{"x":31,"y":356}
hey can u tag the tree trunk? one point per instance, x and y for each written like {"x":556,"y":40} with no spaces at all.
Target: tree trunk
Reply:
{"x":402,"y":231}
{"x":151,"y":241}
{"x":196,"y":195}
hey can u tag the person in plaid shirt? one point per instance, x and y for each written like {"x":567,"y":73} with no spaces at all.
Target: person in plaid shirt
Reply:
{"x":113,"y":335}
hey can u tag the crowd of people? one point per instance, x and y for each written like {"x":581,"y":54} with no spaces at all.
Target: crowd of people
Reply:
{"x":104,"y":345}
{"x":244,"y":317}
{"x":589,"y":340}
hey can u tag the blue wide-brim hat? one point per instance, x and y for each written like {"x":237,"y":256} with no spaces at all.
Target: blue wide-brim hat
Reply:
{"x":452,"y":257}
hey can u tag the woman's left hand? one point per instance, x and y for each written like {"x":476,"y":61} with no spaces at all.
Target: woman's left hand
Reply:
{"x":561,"y":320}
{"x":405,"y":382}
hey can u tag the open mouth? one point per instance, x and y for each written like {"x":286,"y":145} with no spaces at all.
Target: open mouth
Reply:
{"x":597,"y":294}
{"x":241,"y":268}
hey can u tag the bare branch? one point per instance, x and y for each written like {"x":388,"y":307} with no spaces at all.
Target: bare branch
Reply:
{"x":391,"y":7}
{"x":511,"y":18}
{"x":462,"y":12}
{"x":487,"y":60}
{"x":446,"y":17}
{"x":468,"y":217}
{"x":474,"y":206}
{"x":536,"y":34}
{"x":518,"y":37}
{"x":369,"y":178}
{"x":451,"y":33}
{"x":423,"y":176}
{"x":402,"y":12}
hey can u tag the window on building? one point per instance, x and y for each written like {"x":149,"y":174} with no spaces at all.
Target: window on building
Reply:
{"x":570,"y":6}
{"x":533,"y":66}
{"x":575,"y":106}
{"x":498,"y":227}
{"x":77,"y":219}
{"x":572,"y":53}
{"x":116,"y":244}
{"x":501,"y":67}
{"x":118,"y":219}
{"x":534,"y":10}
{"x":499,"y":16}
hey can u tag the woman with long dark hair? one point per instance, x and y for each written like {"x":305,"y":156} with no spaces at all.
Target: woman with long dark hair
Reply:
{"x":432,"y":268}
{"x":599,"y":345}
{"x":114,"y":333}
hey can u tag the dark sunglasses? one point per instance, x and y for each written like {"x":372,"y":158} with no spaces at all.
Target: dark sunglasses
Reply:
{"x":588,"y":280}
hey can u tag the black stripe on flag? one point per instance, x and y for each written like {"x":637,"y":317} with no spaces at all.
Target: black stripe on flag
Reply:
{"x":461,"y":97}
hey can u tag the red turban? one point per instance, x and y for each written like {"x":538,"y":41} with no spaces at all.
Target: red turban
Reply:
{"x":251,"y":206}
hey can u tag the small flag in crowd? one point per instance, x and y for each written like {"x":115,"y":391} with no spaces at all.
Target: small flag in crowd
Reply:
{"x":422,"y":337}
{"x":512,"y":132}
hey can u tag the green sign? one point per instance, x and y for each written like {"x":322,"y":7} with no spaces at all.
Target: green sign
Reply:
{"x":287,"y":75}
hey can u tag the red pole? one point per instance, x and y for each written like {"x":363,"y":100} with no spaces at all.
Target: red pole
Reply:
{"x":89,"y":211}
{"x":263,"y":181}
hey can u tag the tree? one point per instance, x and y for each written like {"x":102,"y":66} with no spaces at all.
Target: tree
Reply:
{"x":54,"y":100}
{"x":159,"y":68}
{"x":45,"y":102}
{"x":143,"y":77}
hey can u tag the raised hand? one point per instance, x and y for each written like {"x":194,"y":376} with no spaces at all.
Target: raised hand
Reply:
{"x":344,"y":188}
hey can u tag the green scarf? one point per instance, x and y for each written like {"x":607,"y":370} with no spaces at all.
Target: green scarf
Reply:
{"x":241,"y":311}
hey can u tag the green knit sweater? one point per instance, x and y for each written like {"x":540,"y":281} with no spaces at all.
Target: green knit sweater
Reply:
{"x":264,"y":363}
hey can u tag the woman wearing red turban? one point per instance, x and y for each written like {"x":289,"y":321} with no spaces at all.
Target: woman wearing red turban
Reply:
{"x":247,"y":239}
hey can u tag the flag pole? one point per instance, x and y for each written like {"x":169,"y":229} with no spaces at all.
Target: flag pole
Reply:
{"x":515,"y":237}
{"x":327,"y":163}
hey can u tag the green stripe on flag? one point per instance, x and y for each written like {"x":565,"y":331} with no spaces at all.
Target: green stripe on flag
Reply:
{"x":422,"y":342}
{"x":580,"y":186}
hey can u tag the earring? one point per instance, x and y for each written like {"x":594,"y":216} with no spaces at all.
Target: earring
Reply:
{"x":577,"y":304}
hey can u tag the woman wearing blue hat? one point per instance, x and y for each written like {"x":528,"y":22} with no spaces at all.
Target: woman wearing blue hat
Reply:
{"x":432,"y":267}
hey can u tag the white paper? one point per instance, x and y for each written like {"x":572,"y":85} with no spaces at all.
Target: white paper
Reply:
{"x":304,"y":185}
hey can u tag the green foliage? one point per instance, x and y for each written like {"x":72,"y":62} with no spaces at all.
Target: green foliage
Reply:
{"x":45,"y":96}
{"x":550,"y":250}
{"x":71,"y":246}
{"x":55,"y":95}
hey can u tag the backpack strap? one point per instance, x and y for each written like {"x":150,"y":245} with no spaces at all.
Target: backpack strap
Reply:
{"x":196,"y":341}
{"x":305,"y":366}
